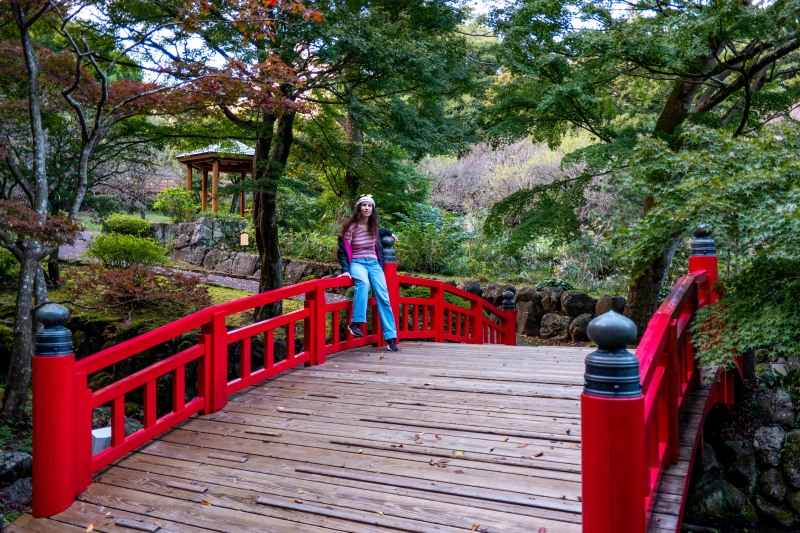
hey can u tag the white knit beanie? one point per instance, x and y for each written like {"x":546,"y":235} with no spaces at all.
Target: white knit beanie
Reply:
{"x":365,"y":199}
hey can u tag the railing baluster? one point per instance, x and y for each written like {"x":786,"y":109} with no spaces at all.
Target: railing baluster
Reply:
{"x":118,"y":420}
{"x":150,"y":414}
{"x":179,"y":389}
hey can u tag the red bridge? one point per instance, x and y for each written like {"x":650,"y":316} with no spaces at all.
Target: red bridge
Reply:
{"x":472,"y":435}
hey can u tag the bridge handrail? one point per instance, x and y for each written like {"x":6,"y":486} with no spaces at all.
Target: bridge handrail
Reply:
{"x":63,"y":402}
{"x":622,"y":473}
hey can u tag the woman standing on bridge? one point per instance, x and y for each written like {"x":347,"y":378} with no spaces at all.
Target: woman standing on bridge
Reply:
{"x":361,"y":258}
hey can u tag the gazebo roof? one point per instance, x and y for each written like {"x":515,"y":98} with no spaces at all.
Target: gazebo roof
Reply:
{"x":233,"y":156}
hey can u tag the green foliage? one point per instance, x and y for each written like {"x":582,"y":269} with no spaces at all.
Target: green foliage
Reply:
{"x":542,"y":210}
{"x":101,"y":204}
{"x":126,"y":225}
{"x":9,"y":266}
{"x":760,"y":310}
{"x":309,"y":245}
{"x":790,"y":381}
{"x":555,"y":282}
{"x":428,"y":240}
{"x":122,"y":251}
{"x":175,"y":203}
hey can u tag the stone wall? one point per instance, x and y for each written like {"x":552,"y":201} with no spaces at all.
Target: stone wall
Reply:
{"x":212,"y":245}
{"x":550,"y":312}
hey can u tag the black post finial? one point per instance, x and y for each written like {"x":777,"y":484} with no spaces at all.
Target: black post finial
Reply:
{"x":54,"y":339}
{"x":389,"y":255}
{"x":508,"y":301}
{"x":702,"y":244}
{"x":611,"y":370}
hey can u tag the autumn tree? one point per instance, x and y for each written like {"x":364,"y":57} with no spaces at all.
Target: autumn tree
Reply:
{"x":76,"y":78}
{"x":627,"y":71}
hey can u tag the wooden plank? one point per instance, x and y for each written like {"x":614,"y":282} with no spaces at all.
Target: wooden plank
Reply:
{"x":432,"y":438}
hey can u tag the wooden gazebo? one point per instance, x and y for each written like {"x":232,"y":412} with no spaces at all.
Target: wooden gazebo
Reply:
{"x":226,"y":156}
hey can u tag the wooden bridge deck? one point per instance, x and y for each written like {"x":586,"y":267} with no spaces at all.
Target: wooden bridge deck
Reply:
{"x":436,"y":437}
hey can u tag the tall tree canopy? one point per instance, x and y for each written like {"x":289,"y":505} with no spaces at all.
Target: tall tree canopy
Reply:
{"x":627,"y":71}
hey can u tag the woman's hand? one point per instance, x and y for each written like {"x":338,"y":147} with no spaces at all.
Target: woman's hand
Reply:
{"x":345,"y":274}
{"x":394,"y":237}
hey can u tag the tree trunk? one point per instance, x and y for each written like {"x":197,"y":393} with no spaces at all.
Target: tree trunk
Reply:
{"x":643,"y":291}
{"x":19,"y":372}
{"x":53,"y":270}
{"x":268,"y":173}
{"x":355,"y":138}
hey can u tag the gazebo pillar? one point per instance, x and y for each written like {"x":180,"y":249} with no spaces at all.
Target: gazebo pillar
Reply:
{"x":215,"y":187}
{"x":189,"y":178}
{"x":241,"y":195}
{"x":204,"y":192}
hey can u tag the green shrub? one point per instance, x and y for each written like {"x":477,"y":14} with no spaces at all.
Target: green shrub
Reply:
{"x":102,"y":204}
{"x":122,"y":251}
{"x":175,"y":203}
{"x":309,"y":245}
{"x":126,"y":225}
{"x":9,"y":266}
{"x":428,"y":240}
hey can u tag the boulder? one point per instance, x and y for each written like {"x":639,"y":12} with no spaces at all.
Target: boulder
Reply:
{"x":719,"y":500}
{"x":245,"y":264}
{"x":293,"y":270}
{"x":197,"y":255}
{"x":14,"y":465}
{"x":776,"y":515}
{"x":18,"y":494}
{"x":768,"y":442}
{"x":739,"y":459}
{"x":791,"y":458}
{"x":551,"y":299}
{"x":472,"y":287}
{"x":555,"y":327}
{"x":610,"y":303}
{"x":577,"y":303}
{"x":771,"y":485}
{"x":493,"y":293}
{"x":529,"y":318}
{"x":709,"y":463}
{"x":215,"y":257}
{"x":577,"y":328}
{"x":778,"y":407}
{"x":226,"y":266}
{"x":527,"y":294}
{"x":793,"y":499}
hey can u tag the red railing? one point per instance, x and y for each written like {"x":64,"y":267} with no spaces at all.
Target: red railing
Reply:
{"x":64,"y":403}
{"x":636,"y":439}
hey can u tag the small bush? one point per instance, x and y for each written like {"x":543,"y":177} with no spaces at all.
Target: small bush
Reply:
{"x":429,"y":240}
{"x":309,"y":245}
{"x":126,"y":225}
{"x":9,"y":266}
{"x":553,"y":282}
{"x":175,"y":203}
{"x":102,"y":204}
{"x":122,"y":251}
{"x":170,"y":291}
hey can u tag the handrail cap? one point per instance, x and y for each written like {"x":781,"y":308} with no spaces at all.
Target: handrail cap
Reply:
{"x":612,"y":330}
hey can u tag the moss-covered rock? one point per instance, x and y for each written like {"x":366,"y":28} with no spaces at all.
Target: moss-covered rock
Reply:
{"x":720,"y":500}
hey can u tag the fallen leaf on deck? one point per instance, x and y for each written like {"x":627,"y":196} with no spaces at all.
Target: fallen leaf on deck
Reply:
{"x":505,"y":439}
{"x":205,"y":502}
{"x":537,"y":454}
{"x":280,"y":408}
{"x":298,"y":501}
{"x":568,"y":431}
{"x":474,"y":527}
{"x":458,"y":453}
{"x":438,"y":437}
{"x":90,"y":528}
{"x":459,"y":471}
{"x":522,"y":445}
{"x":418,"y":441}
{"x":360,"y":451}
{"x":380,"y":358}
{"x":542,"y":530}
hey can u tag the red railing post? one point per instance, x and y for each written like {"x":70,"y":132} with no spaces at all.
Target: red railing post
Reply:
{"x":216,"y":363}
{"x":317,"y":329}
{"x":613,"y":455}
{"x":56,"y":466}
{"x":510,"y":316}
{"x":704,"y":257}
{"x":392,"y":282}
{"x":437,"y":320}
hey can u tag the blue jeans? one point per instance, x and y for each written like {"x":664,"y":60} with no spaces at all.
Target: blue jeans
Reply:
{"x":366,"y":272}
